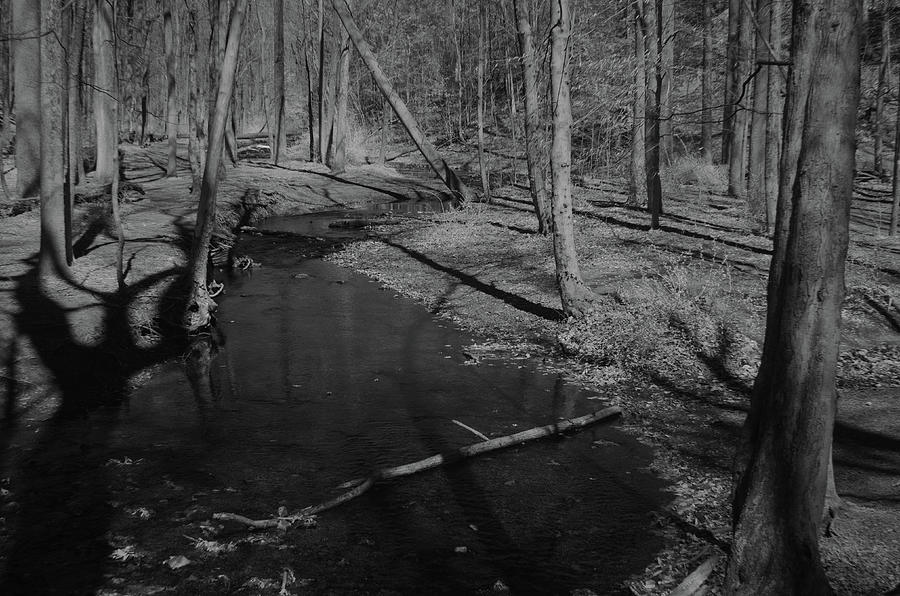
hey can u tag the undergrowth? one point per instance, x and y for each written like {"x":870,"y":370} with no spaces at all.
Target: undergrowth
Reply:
{"x":684,"y":319}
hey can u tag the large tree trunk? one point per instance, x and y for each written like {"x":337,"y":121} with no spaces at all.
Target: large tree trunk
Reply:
{"x":437,"y":163}
{"x":738,"y":153}
{"x":169,"y":25}
{"x":706,"y":135}
{"x":53,"y":245}
{"x":884,"y":85}
{"x":280,"y":135}
{"x":775,"y":108}
{"x":104,"y":91}
{"x":650,"y":26}
{"x":482,"y":63}
{"x":783,"y":463}
{"x":536,"y":183}
{"x":200,"y":305}
{"x":341,"y":122}
{"x":637,"y":186}
{"x":26,"y":52}
{"x":577,"y":299}
{"x":666,"y":63}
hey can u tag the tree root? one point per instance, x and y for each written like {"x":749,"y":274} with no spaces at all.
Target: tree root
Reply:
{"x":358,"y":486}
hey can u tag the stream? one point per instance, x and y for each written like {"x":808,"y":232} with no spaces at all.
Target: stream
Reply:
{"x":317,"y":375}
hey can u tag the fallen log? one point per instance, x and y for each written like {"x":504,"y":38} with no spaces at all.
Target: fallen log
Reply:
{"x":358,"y":486}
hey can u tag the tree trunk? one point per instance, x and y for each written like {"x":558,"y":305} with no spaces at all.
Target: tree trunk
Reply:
{"x":706,"y":116}
{"x":774,"y":129}
{"x":650,"y":27}
{"x":637,"y":188}
{"x":895,"y":187}
{"x":577,"y":299}
{"x":26,"y":51}
{"x":457,"y":69}
{"x":757,"y":211}
{"x":782,"y":466}
{"x":169,"y":25}
{"x":53,"y":246}
{"x":322,"y":148}
{"x":732,"y":78}
{"x":437,"y":163}
{"x":738,"y":153}
{"x":341,"y":122}
{"x":280,"y":136}
{"x":200,"y":305}
{"x":310,"y":112}
{"x":666,"y":62}
{"x":536,"y":183}
{"x":104,"y":86}
{"x":197,"y":130}
{"x":884,"y":85}
{"x":76,"y":52}
{"x":482,"y":60}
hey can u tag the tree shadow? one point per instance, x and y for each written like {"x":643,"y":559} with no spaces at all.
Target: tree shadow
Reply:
{"x":59,"y":541}
{"x":514,"y":300}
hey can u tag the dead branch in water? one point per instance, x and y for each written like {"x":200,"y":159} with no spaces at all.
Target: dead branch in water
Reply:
{"x":359,"y":486}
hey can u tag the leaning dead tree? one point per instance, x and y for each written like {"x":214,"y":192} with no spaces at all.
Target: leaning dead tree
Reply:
{"x":200,"y":304}
{"x":437,"y":163}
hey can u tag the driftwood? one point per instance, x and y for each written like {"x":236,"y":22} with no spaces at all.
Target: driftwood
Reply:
{"x":693,"y":585}
{"x":359,"y":486}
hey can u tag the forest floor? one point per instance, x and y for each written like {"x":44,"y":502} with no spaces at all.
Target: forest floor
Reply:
{"x":675,"y":342}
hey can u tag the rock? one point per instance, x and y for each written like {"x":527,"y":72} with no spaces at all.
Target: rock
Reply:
{"x":461,"y":550}
{"x":301,"y":276}
{"x":499,"y":586}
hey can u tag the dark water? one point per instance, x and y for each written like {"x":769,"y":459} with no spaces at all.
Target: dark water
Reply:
{"x":319,"y":375}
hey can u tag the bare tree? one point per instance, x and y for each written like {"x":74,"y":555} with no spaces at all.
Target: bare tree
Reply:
{"x":532,"y":118}
{"x":280,"y":134}
{"x":75,"y":74}
{"x":482,"y":63}
{"x":53,"y":245}
{"x":706,"y":67}
{"x":743,"y":93}
{"x":169,"y":26}
{"x":200,"y":305}
{"x":884,"y":85}
{"x":341,"y":117}
{"x":782,"y":465}
{"x":649,"y":23}
{"x":637,"y":185}
{"x":26,"y":52}
{"x":577,"y":299}
{"x":104,"y":94}
{"x":666,"y":32}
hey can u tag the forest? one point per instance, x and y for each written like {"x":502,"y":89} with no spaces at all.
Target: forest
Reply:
{"x":462,"y":297}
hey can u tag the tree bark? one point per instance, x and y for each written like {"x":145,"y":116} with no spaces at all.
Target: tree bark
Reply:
{"x":637,"y":187}
{"x":200,"y":305}
{"x":895,"y":187}
{"x":341,"y":122}
{"x":884,"y":85}
{"x":536,"y":183}
{"x":738,"y":153}
{"x":280,"y":135}
{"x":757,"y":209}
{"x":577,"y":299}
{"x":732,"y":78}
{"x":666,"y":63}
{"x":74,"y":117}
{"x":650,"y":26}
{"x":774,"y":128}
{"x":197,"y":129}
{"x":482,"y":61}
{"x":26,"y":51}
{"x":53,"y":246}
{"x":782,"y":466}
{"x":169,"y":25}
{"x":706,"y":116}
{"x":437,"y":163}
{"x":104,"y":86}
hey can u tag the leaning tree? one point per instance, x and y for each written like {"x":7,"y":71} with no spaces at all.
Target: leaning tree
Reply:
{"x":782,"y":466}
